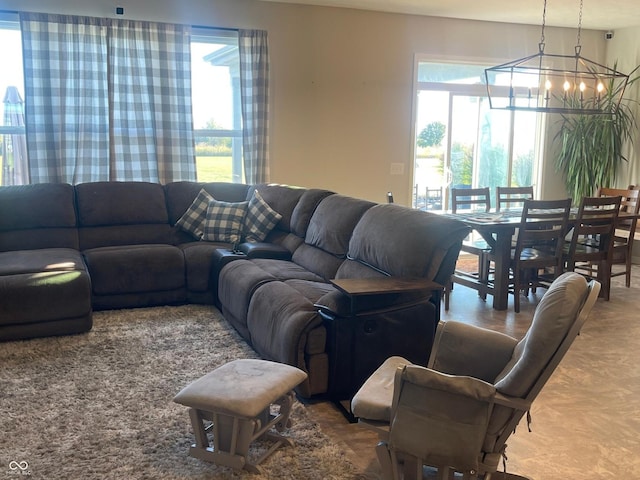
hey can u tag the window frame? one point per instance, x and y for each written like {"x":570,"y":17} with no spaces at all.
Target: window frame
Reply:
{"x":476,"y":89}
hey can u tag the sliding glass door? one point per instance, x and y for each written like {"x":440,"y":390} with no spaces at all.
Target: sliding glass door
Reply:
{"x":460,"y":142}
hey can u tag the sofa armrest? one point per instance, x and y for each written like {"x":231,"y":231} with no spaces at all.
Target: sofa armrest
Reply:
{"x":364,"y":296}
{"x":339,"y":304}
{"x":463,"y":349}
{"x":264,"y":250}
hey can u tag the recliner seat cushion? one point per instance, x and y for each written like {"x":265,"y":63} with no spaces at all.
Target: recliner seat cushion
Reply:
{"x":135,"y":268}
{"x":237,"y":282}
{"x":44,"y":285}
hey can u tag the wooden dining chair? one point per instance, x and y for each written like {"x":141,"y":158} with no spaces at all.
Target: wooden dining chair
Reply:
{"x":590,"y":250}
{"x":510,"y":197}
{"x":539,"y":244}
{"x":625,"y":229}
{"x":472,"y":199}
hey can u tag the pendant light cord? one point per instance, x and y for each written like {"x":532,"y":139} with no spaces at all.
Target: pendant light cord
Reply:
{"x":544,"y":19}
{"x":578,"y":46}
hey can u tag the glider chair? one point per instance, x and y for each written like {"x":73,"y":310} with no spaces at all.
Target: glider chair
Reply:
{"x":456,"y":414}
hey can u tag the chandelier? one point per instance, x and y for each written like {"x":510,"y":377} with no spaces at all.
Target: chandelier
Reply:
{"x":566,"y":84}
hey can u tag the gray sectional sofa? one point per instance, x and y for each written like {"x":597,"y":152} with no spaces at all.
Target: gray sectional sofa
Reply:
{"x":68,"y":250}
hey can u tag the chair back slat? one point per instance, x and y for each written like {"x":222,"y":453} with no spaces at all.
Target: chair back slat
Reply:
{"x":471,"y":198}
{"x":510,"y":197}
{"x":543,"y":225}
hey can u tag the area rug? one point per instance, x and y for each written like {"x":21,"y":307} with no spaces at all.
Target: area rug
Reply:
{"x":99,"y":405}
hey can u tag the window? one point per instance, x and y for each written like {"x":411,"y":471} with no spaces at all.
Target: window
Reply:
{"x":460,"y":142}
{"x":217,"y":116}
{"x":215,"y":86}
{"x":13,"y":150}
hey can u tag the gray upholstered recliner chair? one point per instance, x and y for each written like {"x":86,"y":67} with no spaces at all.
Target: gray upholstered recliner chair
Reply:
{"x":456,"y":414}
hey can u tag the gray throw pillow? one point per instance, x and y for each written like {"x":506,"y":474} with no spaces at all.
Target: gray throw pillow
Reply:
{"x":193,"y":219}
{"x":224,"y":221}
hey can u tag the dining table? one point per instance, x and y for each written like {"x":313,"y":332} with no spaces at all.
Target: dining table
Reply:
{"x":498,"y":229}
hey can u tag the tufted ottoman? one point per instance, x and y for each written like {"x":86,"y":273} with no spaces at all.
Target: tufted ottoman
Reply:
{"x":237,"y":399}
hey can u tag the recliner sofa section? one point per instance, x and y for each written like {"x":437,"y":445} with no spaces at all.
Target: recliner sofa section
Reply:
{"x":45,"y":288}
{"x":290,"y":312}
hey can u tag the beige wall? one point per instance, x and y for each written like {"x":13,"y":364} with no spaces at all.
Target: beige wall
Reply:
{"x":342,"y":79}
{"x":624,"y":48}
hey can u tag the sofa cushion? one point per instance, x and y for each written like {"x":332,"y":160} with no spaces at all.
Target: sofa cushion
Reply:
{"x":41,"y":260}
{"x":122,"y":213}
{"x":286,"y":270}
{"x":237,"y":282}
{"x":328,"y":234}
{"x":333,"y":222}
{"x":418,"y":249}
{"x":305,"y":208}
{"x":312,"y":291}
{"x":198,"y":259}
{"x":44,"y":285}
{"x":283,"y":199}
{"x":259,"y":220}
{"x":192,"y":220}
{"x":224,"y":221}
{"x":37,"y":216}
{"x":135,"y":268}
{"x":121,"y":203}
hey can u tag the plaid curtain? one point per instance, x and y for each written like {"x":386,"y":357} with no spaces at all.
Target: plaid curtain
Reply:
{"x":254,"y":88}
{"x":66,"y":114}
{"x":152,"y":131}
{"x":107,"y":99}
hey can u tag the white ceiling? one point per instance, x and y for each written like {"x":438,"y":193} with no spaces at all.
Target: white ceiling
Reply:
{"x":596,"y":14}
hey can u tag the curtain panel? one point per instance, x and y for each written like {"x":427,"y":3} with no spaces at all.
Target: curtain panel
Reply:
{"x":107,"y":99}
{"x":254,"y":86}
{"x":66,"y":101}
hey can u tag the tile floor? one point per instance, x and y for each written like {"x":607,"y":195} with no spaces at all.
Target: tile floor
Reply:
{"x":586,"y":421}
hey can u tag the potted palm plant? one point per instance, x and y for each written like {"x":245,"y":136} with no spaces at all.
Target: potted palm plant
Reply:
{"x":591,"y":147}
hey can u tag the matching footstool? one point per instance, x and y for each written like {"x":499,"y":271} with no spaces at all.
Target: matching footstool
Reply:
{"x":237,"y":399}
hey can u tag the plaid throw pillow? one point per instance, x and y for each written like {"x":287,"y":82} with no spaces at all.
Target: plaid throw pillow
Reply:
{"x":223,"y":222}
{"x":260,"y":219}
{"x":192,"y":220}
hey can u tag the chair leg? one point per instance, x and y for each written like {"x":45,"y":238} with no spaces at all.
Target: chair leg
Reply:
{"x":483,"y":273}
{"x":389,"y":470}
{"x":446,"y":293}
{"x":516,"y":291}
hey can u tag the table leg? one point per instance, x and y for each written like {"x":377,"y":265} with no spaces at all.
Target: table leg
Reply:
{"x":502,"y":258}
